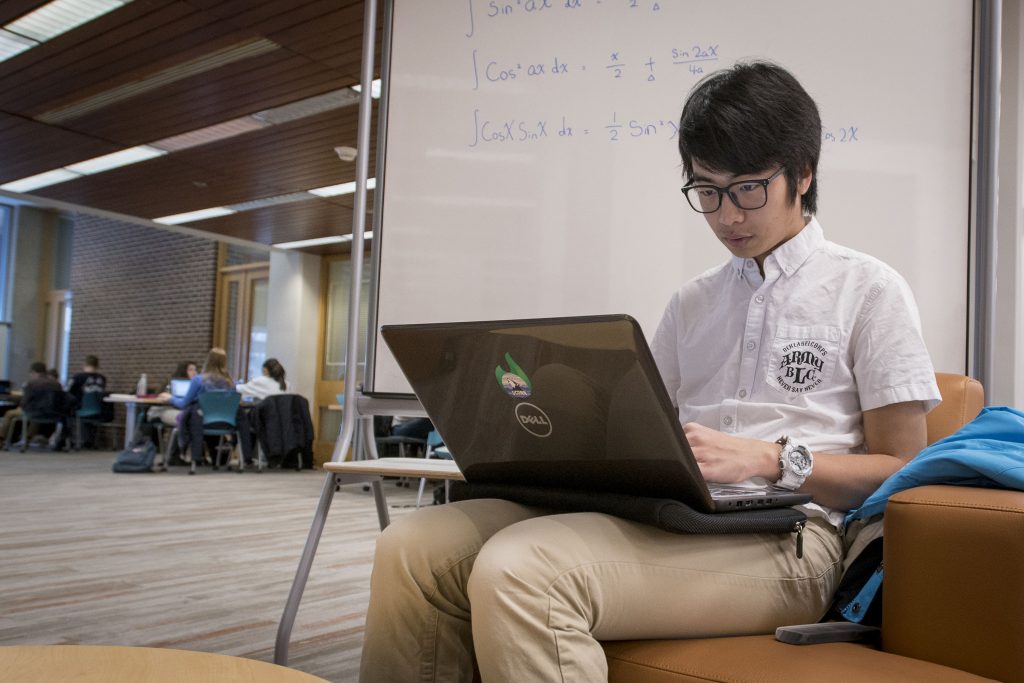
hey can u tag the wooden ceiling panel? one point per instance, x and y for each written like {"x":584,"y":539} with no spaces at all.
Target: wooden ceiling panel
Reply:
{"x":13,"y":9}
{"x":320,"y":51}
{"x":279,"y":160}
{"x":287,"y":223}
{"x":237,"y":90}
{"x":73,"y":66}
{"x":30,"y":147}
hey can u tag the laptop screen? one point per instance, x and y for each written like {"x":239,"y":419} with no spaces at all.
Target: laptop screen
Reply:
{"x":179,"y":387}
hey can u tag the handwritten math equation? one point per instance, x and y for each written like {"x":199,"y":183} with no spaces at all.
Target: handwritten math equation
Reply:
{"x":498,"y":10}
{"x":616,"y":65}
{"x":618,"y":128}
{"x":513,"y":130}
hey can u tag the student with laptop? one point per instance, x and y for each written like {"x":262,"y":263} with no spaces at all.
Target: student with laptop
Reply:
{"x":167,"y":415}
{"x":797,"y":361}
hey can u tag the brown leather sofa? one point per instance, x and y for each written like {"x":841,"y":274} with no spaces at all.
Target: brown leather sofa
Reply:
{"x":953,"y":604}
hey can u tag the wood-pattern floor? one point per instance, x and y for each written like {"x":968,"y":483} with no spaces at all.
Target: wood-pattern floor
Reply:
{"x":168,"y":560}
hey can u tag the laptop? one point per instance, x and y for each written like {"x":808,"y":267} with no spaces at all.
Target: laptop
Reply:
{"x":560,"y":403}
{"x":179,"y":387}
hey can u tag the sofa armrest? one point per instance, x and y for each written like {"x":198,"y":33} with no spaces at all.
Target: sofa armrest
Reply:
{"x":954,"y":579}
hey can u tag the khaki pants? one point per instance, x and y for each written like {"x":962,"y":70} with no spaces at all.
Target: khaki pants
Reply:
{"x":544,"y":589}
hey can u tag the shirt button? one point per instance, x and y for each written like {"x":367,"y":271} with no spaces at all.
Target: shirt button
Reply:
{"x":743,"y":393}
{"x":759,"y":298}
{"x":751,"y":345}
{"x":727,"y":420}
{"x":750,"y":263}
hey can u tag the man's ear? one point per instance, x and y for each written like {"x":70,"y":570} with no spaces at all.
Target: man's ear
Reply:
{"x":803,"y":183}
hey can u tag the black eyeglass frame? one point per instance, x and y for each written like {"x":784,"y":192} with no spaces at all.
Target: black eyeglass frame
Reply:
{"x":763,"y":182}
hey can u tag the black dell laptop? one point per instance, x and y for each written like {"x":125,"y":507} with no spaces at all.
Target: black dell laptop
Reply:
{"x":560,"y":403}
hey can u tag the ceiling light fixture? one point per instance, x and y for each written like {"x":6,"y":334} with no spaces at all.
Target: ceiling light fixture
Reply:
{"x":12,"y":44}
{"x":201,"y":215}
{"x":318,"y":241}
{"x":300,"y":109}
{"x":202,"y":136}
{"x":99,"y":164}
{"x":213,"y":60}
{"x":343,"y":188}
{"x":125,"y":157}
{"x":271,"y":201}
{"x":40,"y":180}
{"x":50,"y":21}
{"x":374,"y":88}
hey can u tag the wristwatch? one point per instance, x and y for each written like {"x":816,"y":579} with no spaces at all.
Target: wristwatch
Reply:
{"x":795,"y":462}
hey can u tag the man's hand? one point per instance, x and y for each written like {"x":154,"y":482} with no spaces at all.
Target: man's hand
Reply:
{"x":725,"y":459}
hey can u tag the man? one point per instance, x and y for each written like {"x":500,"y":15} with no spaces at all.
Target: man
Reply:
{"x":798,"y":362}
{"x":37,"y":397}
{"x":88,"y":381}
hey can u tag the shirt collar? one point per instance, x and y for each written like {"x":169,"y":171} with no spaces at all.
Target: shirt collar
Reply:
{"x":792,"y":254}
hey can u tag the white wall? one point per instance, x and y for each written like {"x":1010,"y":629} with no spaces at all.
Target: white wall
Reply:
{"x":1007,"y":382}
{"x":293,"y":323}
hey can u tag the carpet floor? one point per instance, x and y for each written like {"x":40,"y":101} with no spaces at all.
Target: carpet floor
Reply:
{"x":169,"y":560}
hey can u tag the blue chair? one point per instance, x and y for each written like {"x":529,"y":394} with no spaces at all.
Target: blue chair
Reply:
{"x":220,"y":409}
{"x":92,"y":412}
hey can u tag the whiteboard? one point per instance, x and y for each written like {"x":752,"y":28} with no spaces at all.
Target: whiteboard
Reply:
{"x":530,"y":166}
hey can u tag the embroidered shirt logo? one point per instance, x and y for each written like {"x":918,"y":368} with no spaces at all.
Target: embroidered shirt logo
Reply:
{"x":802,"y":366}
{"x":513,"y":381}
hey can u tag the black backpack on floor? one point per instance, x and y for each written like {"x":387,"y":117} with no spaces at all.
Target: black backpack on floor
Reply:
{"x":140,"y":457}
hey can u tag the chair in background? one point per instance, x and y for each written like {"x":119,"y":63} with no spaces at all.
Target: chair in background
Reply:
{"x":435,"y":449}
{"x":93,"y":411}
{"x":50,"y":408}
{"x":220,"y":414}
{"x":385,"y":429}
{"x":386,"y":439}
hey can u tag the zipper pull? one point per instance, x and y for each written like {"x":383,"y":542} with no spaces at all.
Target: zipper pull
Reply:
{"x":798,"y":529}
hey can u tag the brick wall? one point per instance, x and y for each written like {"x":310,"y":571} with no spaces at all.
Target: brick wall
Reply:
{"x":142,"y":301}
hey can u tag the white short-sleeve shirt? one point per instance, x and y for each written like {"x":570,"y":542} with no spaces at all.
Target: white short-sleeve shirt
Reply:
{"x":826,"y":334}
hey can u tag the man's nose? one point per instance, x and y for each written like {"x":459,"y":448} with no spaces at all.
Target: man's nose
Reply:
{"x":729,"y":213}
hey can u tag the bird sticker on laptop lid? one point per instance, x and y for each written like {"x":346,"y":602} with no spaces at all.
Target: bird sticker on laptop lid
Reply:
{"x":513,"y":381}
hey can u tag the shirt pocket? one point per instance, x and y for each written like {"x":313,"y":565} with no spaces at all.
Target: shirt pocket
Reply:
{"x":803,"y":359}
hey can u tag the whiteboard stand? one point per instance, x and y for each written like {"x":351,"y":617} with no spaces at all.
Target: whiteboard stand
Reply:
{"x":351,"y":416}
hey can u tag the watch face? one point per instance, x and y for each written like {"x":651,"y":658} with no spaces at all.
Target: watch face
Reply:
{"x":801,"y":460}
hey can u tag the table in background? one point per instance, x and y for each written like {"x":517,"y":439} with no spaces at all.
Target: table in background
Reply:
{"x":113,"y":664}
{"x":131,"y":404}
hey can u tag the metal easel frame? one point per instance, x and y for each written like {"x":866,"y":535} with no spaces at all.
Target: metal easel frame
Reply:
{"x":357,"y":423}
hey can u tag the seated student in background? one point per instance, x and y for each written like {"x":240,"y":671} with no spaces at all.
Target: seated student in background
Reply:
{"x":36,"y":397}
{"x":168,"y":415}
{"x":214,"y":377}
{"x":88,"y":381}
{"x":271,"y":382}
{"x":795,"y":345}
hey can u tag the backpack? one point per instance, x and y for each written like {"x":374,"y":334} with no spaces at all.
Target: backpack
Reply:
{"x":139,"y":458}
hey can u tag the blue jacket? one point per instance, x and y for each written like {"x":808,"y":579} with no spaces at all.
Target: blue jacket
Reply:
{"x":987,"y":452}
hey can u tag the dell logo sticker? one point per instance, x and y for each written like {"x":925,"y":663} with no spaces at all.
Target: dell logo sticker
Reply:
{"x":533,"y":419}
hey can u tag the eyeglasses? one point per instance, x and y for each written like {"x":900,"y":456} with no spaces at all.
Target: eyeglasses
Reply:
{"x":745,"y":194}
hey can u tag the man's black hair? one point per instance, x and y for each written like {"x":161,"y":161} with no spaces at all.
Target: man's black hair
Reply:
{"x":38,"y":367}
{"x":92,"y":361}
{"x":751,"y":118}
